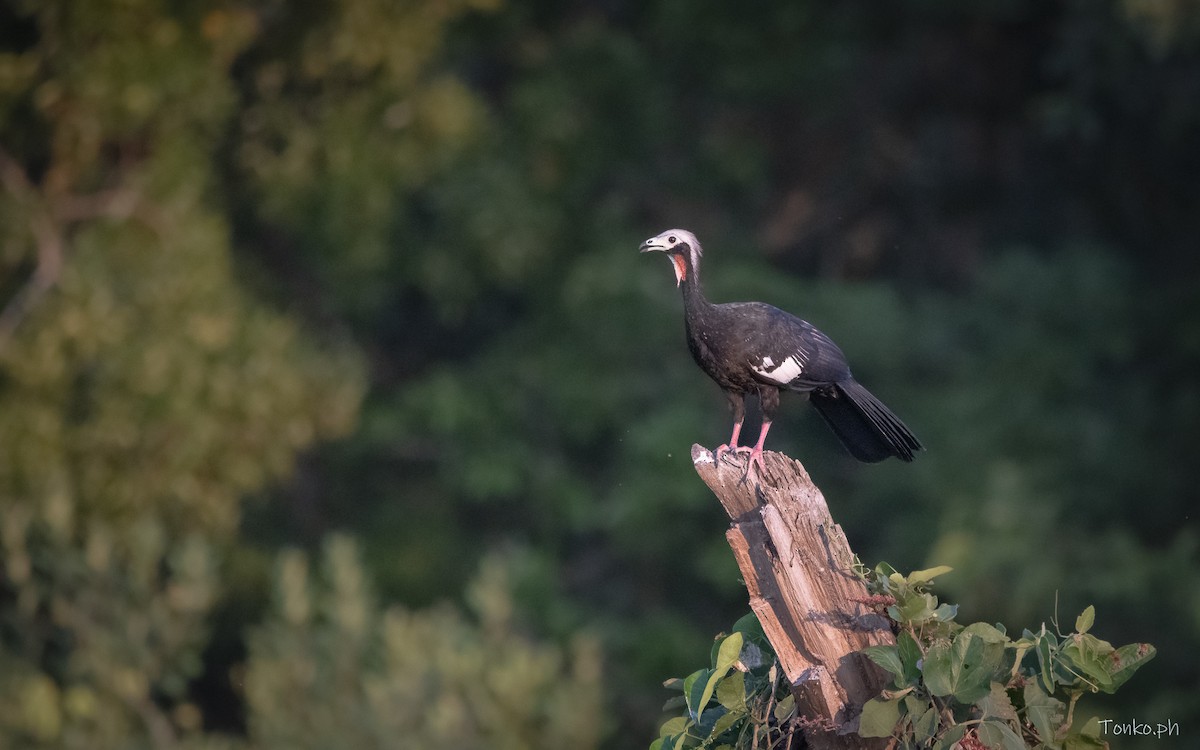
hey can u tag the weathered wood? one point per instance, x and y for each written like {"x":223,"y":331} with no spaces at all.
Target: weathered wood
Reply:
{"x":797,"y":566}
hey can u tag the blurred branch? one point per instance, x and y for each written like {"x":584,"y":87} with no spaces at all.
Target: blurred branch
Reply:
{"x":47,"y":221}
{"x":158,"y":725}
{"x":49,"y":241}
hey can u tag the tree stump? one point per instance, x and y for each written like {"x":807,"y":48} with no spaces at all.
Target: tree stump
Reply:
{"x":797,"y":566}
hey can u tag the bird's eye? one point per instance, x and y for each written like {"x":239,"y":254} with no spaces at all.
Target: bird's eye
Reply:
{"x":672,"y":239}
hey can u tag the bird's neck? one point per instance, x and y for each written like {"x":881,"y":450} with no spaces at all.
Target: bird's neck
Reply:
{"x":694,"y":302}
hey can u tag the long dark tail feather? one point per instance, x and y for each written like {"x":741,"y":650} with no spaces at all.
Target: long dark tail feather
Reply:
{"x":868,"y":429}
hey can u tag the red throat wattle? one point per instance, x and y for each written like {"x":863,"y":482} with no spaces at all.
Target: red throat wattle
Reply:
{"x":680,"y":268}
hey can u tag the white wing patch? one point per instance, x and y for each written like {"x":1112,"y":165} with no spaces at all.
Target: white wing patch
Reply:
{"x":783,"y":373}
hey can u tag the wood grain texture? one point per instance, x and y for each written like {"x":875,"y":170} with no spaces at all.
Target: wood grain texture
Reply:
{"x":797,"y":566}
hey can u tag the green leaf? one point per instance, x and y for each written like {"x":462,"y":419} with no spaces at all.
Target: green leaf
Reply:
{"x":731,"y":692}
{"x":914,"y":704}
{"x":785,"y":708}
{"x":997,"y":734}
{"x":951,"y":737}
{"x":675,"y":703}
{"x":997,"y":704}
{"x":1090,"y":657}
{"x":1083,"y":623}
{"x":1091,"y":728}
{"x":693,"y":688}
{"x":1128,"y":659}
{"x":1020,"y":648}
{"x":879,"y":717}
{"x":924,"y":718}
{"x":883,"y":570}
{"x":945,"y":612}
{"x":675,"y":726}
{"x":927,"y":575}
{"x":965,"y":668}
{"x":1046,"y":649}
{"x":726,"y":722}
{"x":1045,"y":712}
{"x":980,"y":663}
{"x":913,"y":608}
{"x":988,"y":633}
{"x":888,"y":657}
{"x":727,"y":655}
{"x":909,"y":652}
{"x":749,"y":626}
{"x":1087,"y":738}
{"x":937,"y":669}
{"x":712,"y":715}
{"x":925,"y":725}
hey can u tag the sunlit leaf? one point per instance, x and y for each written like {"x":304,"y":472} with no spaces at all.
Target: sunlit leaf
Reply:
{"x":731,"y":692}
{"x":927,"y":575}
{"x":1083,"y":623}
{"x":879,"y":717}
{"x":727,"y":655}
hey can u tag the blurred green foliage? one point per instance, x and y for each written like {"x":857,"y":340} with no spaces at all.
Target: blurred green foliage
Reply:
{"x":330,"y":668}
{"x":271,"y":271}
{"x":143,"y":393}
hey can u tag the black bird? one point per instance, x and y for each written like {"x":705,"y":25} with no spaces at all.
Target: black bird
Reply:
{"x":754,"y":348}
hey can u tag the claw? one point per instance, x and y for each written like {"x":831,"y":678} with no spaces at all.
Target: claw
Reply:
{"x":731,"y":445}
{"x":756,"y":455}
{"x":756,"y":458}
{"x":735,"y":449}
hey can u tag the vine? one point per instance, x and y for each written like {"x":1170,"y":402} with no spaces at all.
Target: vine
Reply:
{"x":967,"y":687}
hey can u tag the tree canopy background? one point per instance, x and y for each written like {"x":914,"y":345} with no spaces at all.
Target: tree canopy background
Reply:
{"x":336,"y":402}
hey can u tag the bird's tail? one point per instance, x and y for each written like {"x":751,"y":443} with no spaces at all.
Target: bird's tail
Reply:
{"x":868,"y":429}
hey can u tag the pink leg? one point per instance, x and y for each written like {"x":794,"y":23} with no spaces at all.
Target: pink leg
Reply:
{"x":733,"y":443}
{"x":756,"y":454}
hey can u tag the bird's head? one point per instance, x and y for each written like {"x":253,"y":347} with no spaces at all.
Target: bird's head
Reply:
{"x":681,"y":246}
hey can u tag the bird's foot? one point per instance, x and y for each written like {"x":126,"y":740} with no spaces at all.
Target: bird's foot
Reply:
{"x":724,"y":449}
{"x":756,"y":459}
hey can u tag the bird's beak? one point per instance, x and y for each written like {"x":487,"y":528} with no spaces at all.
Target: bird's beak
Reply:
{"x":657,"y":244}
{"x":652,"y":244}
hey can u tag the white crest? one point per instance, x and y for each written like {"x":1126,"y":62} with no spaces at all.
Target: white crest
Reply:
{"x":672,"y":242}
{"x":673,"y":237}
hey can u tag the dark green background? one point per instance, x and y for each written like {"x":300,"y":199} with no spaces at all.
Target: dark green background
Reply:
{"x":368,"y":271}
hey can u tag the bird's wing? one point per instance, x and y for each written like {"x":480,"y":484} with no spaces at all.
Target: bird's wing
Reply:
{"x":783,"y":350}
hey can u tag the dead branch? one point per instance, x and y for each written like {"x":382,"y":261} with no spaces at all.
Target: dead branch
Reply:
{"x":798,"y":569}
